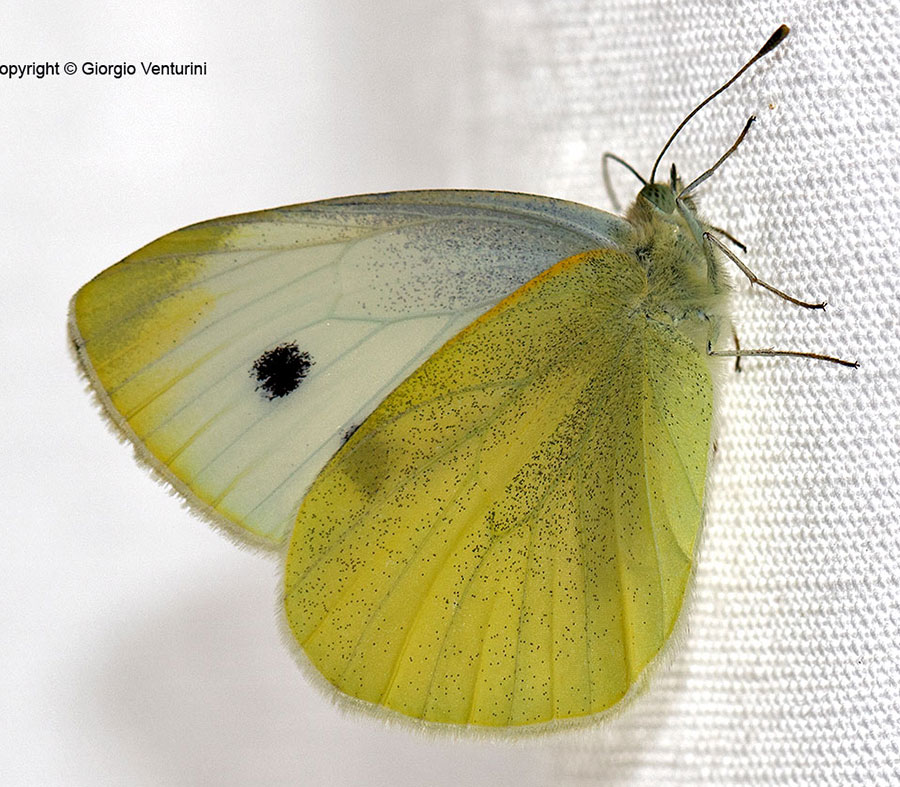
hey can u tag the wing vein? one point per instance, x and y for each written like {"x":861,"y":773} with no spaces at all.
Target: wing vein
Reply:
{"x":678,"y":454}
{"x":578,"y":480}
{"x":220,"y":321}
{"x":267,"y":253}
{"x":499,"y":410}
{"x":624,"y":619}
{"x":646,"y":395}
{"x":409,"y":562}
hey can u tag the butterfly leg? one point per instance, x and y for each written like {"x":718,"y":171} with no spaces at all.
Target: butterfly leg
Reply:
{"x":737,"y":349}
{"x":726,"y":234}
{"x":754,"y":279}
{"x":768,"y":352}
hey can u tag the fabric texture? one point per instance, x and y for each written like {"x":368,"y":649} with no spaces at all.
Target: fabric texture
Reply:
{"x":787,"y":669}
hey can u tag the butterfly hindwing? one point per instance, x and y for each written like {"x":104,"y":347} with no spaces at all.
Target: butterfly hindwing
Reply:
{"x":500,"y":542}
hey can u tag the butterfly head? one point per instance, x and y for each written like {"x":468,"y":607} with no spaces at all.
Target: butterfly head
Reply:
{"x":659,"y":196}
{"x":684,"y":275}
{"x":661,"y":204}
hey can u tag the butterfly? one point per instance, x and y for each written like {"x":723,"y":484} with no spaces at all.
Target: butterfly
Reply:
{"x":476,"y":424}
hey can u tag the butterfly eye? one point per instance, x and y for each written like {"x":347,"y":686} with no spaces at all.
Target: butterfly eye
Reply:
{"x":660,"y":196}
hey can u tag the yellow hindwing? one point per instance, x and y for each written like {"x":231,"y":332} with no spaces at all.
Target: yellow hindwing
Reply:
{"x":507,"y":539}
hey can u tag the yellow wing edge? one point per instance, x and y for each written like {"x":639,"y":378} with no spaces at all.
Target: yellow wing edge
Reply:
{"x":123,"y":431}
{"x":381,"y":714}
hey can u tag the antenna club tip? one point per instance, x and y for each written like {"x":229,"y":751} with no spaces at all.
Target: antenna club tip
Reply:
{"x":774,"y":40}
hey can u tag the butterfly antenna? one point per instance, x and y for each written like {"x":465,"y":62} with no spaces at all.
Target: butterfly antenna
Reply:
{"x":697,"y":181}
{"x":774,"y":40}
{"x":607,"y":157}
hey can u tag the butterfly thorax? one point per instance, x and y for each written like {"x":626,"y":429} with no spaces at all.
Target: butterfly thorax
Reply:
{"x":685,"y":280}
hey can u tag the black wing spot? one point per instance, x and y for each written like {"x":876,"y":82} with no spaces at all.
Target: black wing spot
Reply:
{"x":280,"y":371}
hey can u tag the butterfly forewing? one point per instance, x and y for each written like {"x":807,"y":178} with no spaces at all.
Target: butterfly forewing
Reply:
{"x":239,"y":353}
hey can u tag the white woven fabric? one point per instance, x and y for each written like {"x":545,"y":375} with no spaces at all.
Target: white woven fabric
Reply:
{"x":789,"y":669}
{"x":140,"y":647}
